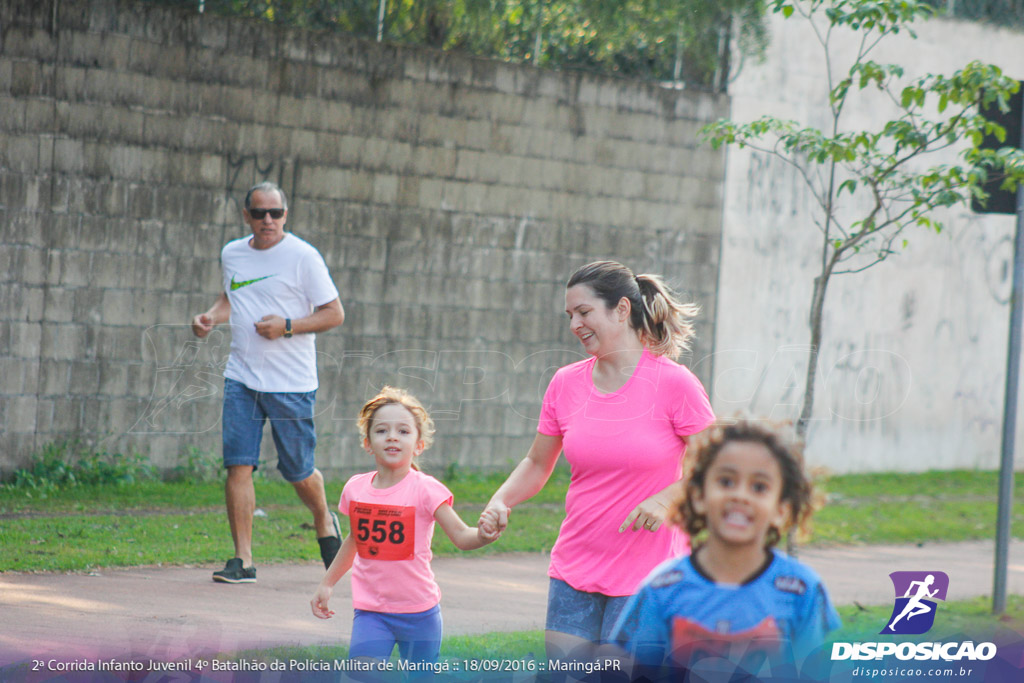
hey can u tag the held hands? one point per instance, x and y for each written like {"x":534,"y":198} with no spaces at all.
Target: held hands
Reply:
{"x":319,"y":603}
{"x":494,"y":519}
{"x":270,"y":326}
{"x":649,"y":515}
{"x":487,"y":528}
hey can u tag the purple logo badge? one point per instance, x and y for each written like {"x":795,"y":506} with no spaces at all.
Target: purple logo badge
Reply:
{"x":916,"y":596}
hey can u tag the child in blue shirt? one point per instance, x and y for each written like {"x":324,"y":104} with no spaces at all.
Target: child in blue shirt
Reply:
{"x":736,"y":597}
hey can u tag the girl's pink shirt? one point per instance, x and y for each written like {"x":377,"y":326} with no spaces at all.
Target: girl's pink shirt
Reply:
{"x":398,"y":586}
{"x":622,"y":448}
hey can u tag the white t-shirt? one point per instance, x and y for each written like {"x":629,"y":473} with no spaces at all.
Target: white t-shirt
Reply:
{"x":289,"y":279}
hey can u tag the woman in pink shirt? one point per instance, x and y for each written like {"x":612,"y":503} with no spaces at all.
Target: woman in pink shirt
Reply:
{"x":392,"y":511}
{"x":622,"y":417}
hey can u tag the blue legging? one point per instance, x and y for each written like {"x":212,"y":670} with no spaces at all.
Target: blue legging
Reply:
{"x":418,"y":635}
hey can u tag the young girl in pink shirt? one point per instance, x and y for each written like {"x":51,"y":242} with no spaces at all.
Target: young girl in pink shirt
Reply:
{"x":392,"y":511}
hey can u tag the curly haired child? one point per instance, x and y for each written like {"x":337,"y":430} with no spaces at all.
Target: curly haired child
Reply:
{"x":736,"y":596}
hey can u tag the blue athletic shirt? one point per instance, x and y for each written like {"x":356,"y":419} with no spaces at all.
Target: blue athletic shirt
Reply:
{"x":679,"y":614}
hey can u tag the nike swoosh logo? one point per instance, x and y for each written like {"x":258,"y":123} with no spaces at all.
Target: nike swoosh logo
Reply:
{"x":245,"y":283}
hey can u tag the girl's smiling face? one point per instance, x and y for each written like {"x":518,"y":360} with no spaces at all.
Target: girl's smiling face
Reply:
{"x":742,"y":495}
{"x":393,"y":438}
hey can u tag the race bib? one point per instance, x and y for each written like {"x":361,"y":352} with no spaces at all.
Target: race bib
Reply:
{"x":383,"y":532}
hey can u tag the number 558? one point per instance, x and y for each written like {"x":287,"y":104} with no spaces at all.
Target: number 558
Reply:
{"x":380,"y":531}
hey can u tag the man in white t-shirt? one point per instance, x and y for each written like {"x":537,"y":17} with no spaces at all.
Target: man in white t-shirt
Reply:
{"x":277,"y":294}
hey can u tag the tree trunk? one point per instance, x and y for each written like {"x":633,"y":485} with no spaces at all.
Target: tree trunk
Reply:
{"x":814,"y":321}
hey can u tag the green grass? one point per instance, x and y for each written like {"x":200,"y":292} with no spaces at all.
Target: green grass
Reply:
{"x":956,"y":505}
{"x":81,"y":527}
{"x":77,"y":542}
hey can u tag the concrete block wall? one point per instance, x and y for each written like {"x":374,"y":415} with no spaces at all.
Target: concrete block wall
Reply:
{"x":451,"y":197}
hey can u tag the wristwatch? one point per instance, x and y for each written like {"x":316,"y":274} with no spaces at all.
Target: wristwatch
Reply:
{"x":287,"y":328}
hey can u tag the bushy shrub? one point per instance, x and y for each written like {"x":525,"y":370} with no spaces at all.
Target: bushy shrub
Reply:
{"x":64,"y":464}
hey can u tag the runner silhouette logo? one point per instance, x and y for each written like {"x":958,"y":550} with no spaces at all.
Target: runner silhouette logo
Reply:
{"x":916,"y":594}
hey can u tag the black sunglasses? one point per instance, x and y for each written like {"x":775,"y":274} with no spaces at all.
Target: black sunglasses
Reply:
{"x":258,"y":214}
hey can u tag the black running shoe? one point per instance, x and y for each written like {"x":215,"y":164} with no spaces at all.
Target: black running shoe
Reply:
{"x":234,"y":572}
{"x":330,"y":545}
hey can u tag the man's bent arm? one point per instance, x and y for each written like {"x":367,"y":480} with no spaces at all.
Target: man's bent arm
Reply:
{"x":219,"y":312}
{"x":321,"y":319}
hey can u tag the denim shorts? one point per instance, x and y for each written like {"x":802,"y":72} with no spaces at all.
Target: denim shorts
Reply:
{"x":418,"y":635}
{"x":291,"y":424}
{"x":590,"y":616}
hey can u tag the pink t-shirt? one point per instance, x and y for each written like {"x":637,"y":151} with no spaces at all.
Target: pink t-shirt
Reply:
{"x":622,"y":447}
{"x":393,"y":528}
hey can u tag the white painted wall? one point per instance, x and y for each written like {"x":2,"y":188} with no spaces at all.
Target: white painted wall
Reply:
{"x":914,"y":353}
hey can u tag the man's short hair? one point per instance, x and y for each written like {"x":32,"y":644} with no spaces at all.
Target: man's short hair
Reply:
{"x":265,"y":186}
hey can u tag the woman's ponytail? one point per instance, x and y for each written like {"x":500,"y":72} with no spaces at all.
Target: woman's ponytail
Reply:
{"x":667,"y":326}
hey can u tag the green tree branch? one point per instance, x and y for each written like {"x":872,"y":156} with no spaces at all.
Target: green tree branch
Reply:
{"x":867,"y":184}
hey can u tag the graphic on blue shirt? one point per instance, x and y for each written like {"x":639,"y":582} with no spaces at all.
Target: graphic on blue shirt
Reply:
{"x":679,"y":613}
{"x":913,"y":611}
{"x":691,"y":641}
